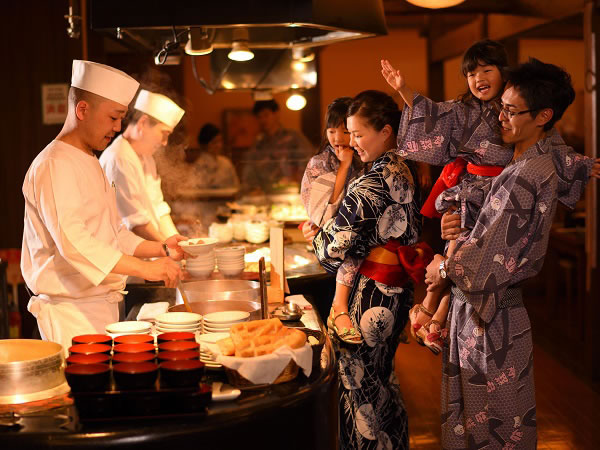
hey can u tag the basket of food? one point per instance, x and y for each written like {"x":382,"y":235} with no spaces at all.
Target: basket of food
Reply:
{"x":264,"y":352}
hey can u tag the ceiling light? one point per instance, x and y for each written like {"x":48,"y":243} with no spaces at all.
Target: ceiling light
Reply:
{"x":435,"y":4}
{"x":239,"y":48}
{"x":296,"y":102}
{"x":302,"y":55}
{"x":298,"y":66}
{"x":198,"y":42}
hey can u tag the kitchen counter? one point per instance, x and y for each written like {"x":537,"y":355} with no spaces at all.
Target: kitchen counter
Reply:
{"x":298,"y":414}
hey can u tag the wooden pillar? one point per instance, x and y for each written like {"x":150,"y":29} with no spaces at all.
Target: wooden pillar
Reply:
{"x":591,"y":34}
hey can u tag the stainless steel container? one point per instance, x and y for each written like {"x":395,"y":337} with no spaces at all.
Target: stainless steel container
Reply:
{"x":221,"y":295}
{"x":31,"y":370}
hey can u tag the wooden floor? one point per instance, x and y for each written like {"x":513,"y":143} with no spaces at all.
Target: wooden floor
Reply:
{"x":568,"y":410}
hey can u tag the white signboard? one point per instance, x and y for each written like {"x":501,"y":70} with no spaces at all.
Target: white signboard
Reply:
{"x":54,"y":103}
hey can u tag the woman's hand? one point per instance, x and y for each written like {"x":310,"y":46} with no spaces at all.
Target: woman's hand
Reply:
{"x":433,"y":280}
{"x":309,"y":230}
{"x":451,"y":225}
{"x":394,"y":78}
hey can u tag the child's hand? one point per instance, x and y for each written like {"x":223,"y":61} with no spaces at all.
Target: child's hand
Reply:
{"x":394,"y":78}
{"x":309,"y":230}
{"x":451,"y":225}
{"x":596,"y":169}
{"x":344,"y":154}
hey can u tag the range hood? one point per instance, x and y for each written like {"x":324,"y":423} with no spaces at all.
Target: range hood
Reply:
{"x":271,"y":24}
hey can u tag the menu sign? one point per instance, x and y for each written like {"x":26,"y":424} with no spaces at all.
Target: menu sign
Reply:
{"x":54,"y":103}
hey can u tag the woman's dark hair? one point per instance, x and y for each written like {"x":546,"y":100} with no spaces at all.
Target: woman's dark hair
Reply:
{"x":542,"y":86}
{"x":488,"y":52}
{"x":207,"y":133}
{"x":377,"y":108}
{"x":334,"y":117}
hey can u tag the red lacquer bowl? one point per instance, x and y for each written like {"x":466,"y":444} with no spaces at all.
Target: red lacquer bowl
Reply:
{"x":176,"y":336}
{"x":134,"y":348}
{"x":134,"y":339}
{"x":88,"y":377}
{"x":135,"y":375}
{"x":92,"y":358}
{"x":92,"y":339}
{"x":133,"y":357}
{"x":181,"y":373}
{"x":178,"y":355}
{"x":178,"y":346}
{"x":88,"y":349}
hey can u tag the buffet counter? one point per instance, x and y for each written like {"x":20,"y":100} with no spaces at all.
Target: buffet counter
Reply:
{"x":301,"y":414}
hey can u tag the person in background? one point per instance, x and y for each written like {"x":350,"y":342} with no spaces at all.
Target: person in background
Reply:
{"x":279,"y":156}
{"x":129,"y":164}
{"x":211,"y":169}
{"x":76,"y":251}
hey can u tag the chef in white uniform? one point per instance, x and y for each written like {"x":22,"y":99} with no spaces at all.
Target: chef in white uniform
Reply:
{"x":76,"y":252}
{"x":129,"y":164}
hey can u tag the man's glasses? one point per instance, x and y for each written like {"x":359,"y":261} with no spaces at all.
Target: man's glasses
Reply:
{"x":510,"y":114}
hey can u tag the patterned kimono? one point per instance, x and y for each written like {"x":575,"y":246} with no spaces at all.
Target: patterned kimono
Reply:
{"x":437,"y":133}
{"x":379,"y":206}
{"x":317,"y":186}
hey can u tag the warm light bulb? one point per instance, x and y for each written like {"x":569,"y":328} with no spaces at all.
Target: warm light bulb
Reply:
{"x":298,"y":66}
{"x":435,"y":4}
{"x":296,"y":102}
{"x":240,"y":52}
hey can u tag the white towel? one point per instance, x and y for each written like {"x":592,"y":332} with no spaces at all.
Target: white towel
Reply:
{"x":149,"y":311}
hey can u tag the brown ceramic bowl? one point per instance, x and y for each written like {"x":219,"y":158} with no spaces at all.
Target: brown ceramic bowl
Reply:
{"x":134,"y":348}
{"x":178,"y":355}
{"x":176,"y":336}
{"x":92,"y":358}
{"x":92,"y":339}
{"x":88,"y":349}
{"x":134,"y":339}
{"x":178,"y":346}
{"x":135,"y":375}
{"x":183,"y":373}
{"x":88,"y":377}
{"x":133,"y":357}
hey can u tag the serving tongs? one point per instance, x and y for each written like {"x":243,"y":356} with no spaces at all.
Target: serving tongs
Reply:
{"x":262,"y":278}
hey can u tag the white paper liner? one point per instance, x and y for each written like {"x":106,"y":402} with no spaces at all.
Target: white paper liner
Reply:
{"x":151,"y":310}
{"x":265,"y":369}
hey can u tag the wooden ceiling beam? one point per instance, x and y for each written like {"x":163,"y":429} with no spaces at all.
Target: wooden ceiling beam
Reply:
{"x":455,"y":42}
{"x":503,"y":26}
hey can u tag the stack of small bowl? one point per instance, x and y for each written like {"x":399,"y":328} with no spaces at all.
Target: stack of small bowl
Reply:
{"x":178,"y":354}
{"x":230,"y":261}
{"x":128,"y":327}
{"x":203,"y":263}
{"x":178,"y":321}
{"x":88,"y":363}
{"x":257,"y":231}
{"x":221,"y":322}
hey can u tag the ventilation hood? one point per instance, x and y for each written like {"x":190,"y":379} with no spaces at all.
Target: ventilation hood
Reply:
{"x":271,"y":24}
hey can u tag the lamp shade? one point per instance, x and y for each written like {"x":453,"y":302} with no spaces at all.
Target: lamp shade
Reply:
{"x":435,"y":4}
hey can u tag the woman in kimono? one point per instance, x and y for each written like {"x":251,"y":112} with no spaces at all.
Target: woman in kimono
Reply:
{"x":324,"y":185}
{"x":378,"y":220}
{"x":465,"y":136}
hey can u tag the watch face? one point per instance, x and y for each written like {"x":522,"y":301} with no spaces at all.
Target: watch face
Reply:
{"x":442,"y":270}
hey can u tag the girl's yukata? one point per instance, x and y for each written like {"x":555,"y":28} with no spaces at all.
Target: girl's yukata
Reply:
{"x":380,"y":207}
{"x":488,"y":395}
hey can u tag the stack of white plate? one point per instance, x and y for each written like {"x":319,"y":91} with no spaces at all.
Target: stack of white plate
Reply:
{"x":221,"y":322}
{"x":201,"y":266}
{"x":209,"y":348}
{"x":178,"y":321}
{"x":128,"y":327}
{"x":257,"y":231}
{"x":230,"y":260}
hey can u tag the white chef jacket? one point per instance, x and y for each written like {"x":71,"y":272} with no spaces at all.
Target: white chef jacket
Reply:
{"x":139,"y":196}
{"x":72,"y":239}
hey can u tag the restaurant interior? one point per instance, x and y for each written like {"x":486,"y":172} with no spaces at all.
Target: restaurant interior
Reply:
{"x":166,"y":46}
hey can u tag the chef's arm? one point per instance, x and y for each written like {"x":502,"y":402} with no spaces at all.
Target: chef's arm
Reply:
{"x":167,"y":227}
{"x":162,"y":269}
{"x":149,"y":232}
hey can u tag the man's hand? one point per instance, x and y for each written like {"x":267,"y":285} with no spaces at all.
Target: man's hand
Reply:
{"x":163,"y":269}
{"x":176,"y":253}
{"x":309,"y":230}
{"x":433,"y":280}
{"x":451,"y":225}
{"x":394,"y":78}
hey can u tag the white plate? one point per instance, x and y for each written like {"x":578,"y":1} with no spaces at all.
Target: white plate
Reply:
{"x":176,"y":326}
{"x":178,"y":318}
{"x":217,"y":330}
{"x":211,"y":338}
{"x":226,"y":316}
{"x":166,"y":330}
{"x":131,"y":326}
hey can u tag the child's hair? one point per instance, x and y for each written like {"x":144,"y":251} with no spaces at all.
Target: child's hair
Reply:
{"x":335,"y":116}
{"x":542,"y":86}
{"x":377,"y":108}
{"x":487,"y":52}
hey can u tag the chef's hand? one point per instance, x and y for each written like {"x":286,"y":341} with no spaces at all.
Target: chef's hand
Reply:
{"x":164,"y":269}
{"x":176,"y":253}
{"x":433,"y":280}
{"x":309,"y":230}
{"x":451,"y":225}
{"x":596,"y":169}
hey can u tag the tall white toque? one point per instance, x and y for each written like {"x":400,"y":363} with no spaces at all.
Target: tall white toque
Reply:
{"x":104,"y":81}
{"x":160,"y":107}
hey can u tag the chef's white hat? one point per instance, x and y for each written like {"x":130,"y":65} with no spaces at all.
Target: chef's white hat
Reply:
{"x":105,"y":81}
{"x":160,"y":107}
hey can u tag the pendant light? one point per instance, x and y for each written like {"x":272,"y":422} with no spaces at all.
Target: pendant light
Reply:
{"x":239,"y":49}
{"x":435,"y":4}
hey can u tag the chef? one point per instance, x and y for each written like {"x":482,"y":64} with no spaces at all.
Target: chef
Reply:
{"x":76,"y":252}
{"x":129,"y":164}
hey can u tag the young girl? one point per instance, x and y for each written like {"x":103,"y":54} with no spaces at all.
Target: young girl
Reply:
{"x":378,"y":221}
{"x":327,"y":175}
{"x":467,"y":132}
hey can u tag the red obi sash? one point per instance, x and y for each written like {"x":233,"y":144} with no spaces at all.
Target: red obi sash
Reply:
{"x":394,"y":265}
{"x":449,"y":178}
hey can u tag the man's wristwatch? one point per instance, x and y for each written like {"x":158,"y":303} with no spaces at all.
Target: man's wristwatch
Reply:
{"x":166,"y":249}
{"x":443,"y":272}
